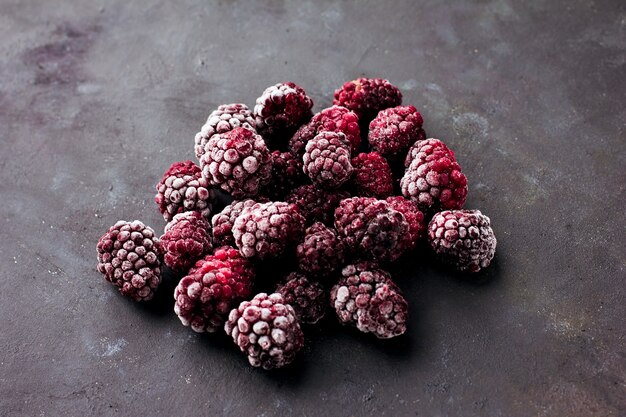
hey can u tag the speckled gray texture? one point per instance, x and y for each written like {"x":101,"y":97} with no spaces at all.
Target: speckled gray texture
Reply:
{"x":98,"y":98}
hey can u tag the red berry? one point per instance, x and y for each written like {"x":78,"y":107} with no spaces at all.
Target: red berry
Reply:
{"x":415,"y":218}
{"x":316,"y":204}
{"x":183,"y":188}
{"x":321,"y":252}
{"x":287,"y":174}
{"x":372,"y":176}
{"x":225,"y":118}
{"x":327,"y":160}
{"x":394,"y":130}
{"x":307,"y":298}
{"x":367,"y":96}
{"x":187,"y":238}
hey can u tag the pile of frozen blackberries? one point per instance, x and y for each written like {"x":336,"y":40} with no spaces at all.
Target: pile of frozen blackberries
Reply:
{"x":334,"y":197}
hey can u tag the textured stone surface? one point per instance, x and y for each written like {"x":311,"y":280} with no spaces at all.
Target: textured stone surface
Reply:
{"x":98,"y":98}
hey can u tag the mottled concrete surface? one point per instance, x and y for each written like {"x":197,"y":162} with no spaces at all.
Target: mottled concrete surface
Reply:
{"x":97,"y":98}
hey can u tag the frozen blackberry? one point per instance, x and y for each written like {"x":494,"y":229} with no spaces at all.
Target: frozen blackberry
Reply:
{"x":307,"y":298}
{"x":266,"y":230}
{"x":463,"y":238}
{"x":327,"y":160}
{"x":237,"y":161}
{"x":372,"y":176}
{"x":225,"y":118}
{"x":367,"y":96}
{"x":332,"y":119}
{"x":212,"y":288}
{"x":223,"y":222}
{"x":321,"y":252}
{"x":394,"y":130}
{"x":316,"y":204}
{"x":183,"y":188}
{"x":287,"y":174}
{"x":367,"y":298}
{"x":371,"y":228}
{"x":434,"y":179}
{"x":280,"y":110}
{"x":415,"y":218}
{"x":266,"y":329}
{"x":187,"y":238}
{"x":129,"y":257}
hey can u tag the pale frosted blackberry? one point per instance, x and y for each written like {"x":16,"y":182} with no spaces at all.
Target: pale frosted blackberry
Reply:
{"x":327,"y":160}
{"x":226,"y":117}
{"x":321,"y":252}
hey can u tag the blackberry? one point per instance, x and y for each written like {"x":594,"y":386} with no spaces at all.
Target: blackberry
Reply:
{"x":371,"y":228}
{"x":266,"y":329}
{"x":307,"y":298}
{"x":463,"y":238}
{"x":182,"y":188}
{"x":129,"y":257}
{"x":212,"y":288}
{"x":225,"y":118}
{"x":433,"y":178}
{"x":413,"y":216}
{"x":237,"y":161}
{"x":367,"y":298}
{"x":187,"y":238}
{"x":327,"y":160}
{"x":394,"y":130}
{"x":372,"y":176}
{"x":287,"y":174}
{"x":223,"y":222}
{"x":332,"y":119}
{"x":367,"y":96}
{"x":266,"y":230}
{"x":281,"y":109}
{"x":321,"y":252}
{"x":316,"y":204}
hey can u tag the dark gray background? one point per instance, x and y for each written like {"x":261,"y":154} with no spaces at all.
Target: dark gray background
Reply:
{"x":98,"y":98}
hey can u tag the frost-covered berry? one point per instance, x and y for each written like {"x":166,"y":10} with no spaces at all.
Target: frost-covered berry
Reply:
{"x":129,"y":257}
{"x":413,"y":216}
{"x":187,"y":238}
{"x":463,"y":238}
{"x":367,"y":96}
{"x":223,"y":221}
{"x":371,"y":228}
{"x":433,"y":178}
{"x":225,"y":118}
{"x":332,"y":119}
{"x":394,"y":130}
{"x":237,"y":161}
{"x":280,"y":110}
{"x":316,"y":204}
{"x":266,"y":230}
{"x":367,"y":298}
{"x":212,"y":288}
{"x":287,"y":174}
{"x":321,"y":252}
{"x":183,"y":188}
{"x":327,"y":160}
{"x":266,"y":329}
{"x":307,"y":297}
{"x":372,"y":176}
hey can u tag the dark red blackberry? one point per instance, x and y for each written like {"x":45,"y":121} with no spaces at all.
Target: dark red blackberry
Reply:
{"x":394,"y":130}
{"x":371,"y":228}
{"x":332,"y":119}
{"x":367,"y":96}
{"x":307,"y":298}
{"x":415,"y":218}
{"x":187,"y":238}
{"x":183,"y":188}
{"x":316,"y":204}
{"x":212,"y":288}
{"x":434,"y":179}
{"x":287,"y":174}
{"x":223,"y":222}
{"x":321,"y":252}
{"x":266,"y":230}
{"x":463,"y":238}
{"x":372,"y":176}
{"x":225,"y":118}
{"x":266,"y":329}
{"x":367,"y":298}
{"x":281,"y":109}
{"x":327,"y":160}
{"x":237,"y":161}
{"x":129,"y":257}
